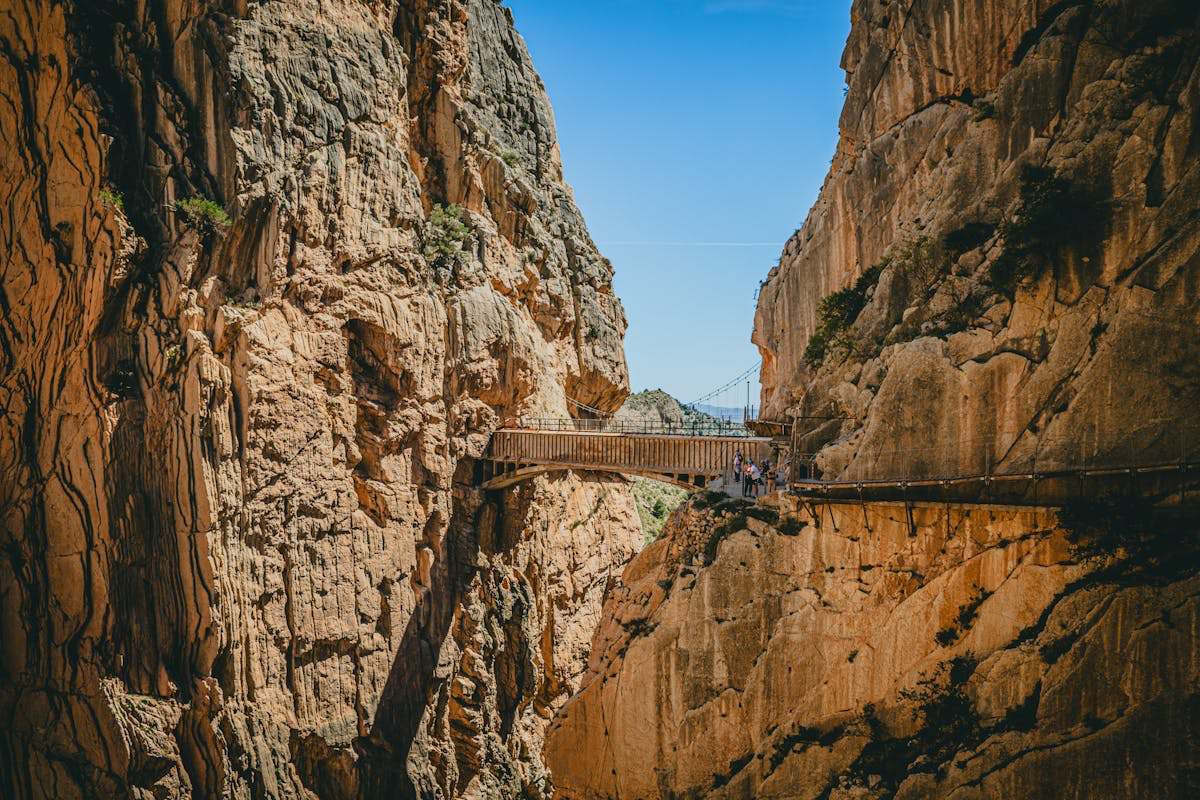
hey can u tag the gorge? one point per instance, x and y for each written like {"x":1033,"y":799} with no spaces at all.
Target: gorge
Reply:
{"x":275,"y":272}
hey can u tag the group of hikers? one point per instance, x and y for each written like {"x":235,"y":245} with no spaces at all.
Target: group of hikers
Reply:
{"x":751,"y":476}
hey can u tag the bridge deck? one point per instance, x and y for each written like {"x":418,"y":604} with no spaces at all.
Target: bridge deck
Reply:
{"x":688,"y":460}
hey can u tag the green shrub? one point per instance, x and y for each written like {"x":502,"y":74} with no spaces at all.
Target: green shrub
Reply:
{"x":447,"y":236}
{"x":509,"y":156}
{"x":113,"y":199}
{"x":837,"y":313}
{"x":173,"y":356}
{"x":1051,"y":214}
{"x":203,"y":214}
{"x":655,"y":501}
{"x":639,"y":627}
{"x":923,"y":262}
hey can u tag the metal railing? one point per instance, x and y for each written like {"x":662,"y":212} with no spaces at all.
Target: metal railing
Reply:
{"x":1161,"y":460}
{"x":632,"y":428}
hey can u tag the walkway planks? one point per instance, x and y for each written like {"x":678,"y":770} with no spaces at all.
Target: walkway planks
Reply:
{"x":690,"y":461}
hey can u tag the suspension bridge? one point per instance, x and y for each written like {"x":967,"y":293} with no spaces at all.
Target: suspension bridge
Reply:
{"x":698,"y":453}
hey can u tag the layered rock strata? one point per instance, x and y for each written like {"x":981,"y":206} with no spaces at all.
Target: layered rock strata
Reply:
{"x":1009,"y":233}
{"x":845,"y":651}
{"x":272,"y":272}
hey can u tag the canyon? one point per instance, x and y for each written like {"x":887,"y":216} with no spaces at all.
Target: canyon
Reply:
{"x":275,"y":272}
{"x":999,"y":276}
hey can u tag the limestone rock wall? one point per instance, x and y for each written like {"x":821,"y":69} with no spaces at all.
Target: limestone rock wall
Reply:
{"x":1089,"y":355}
{"x":845,"y":651}
{"x":242,"y":554}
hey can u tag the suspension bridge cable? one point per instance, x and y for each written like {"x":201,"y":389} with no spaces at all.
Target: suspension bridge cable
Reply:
{"x":727,"y":386}
{"x":592,"y":409}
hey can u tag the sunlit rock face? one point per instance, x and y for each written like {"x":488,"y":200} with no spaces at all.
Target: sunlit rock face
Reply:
{"x":1009,"y":236}
{"x":1022,"y":172}
{"x":242,"y":554}
{"x":843,"y":651}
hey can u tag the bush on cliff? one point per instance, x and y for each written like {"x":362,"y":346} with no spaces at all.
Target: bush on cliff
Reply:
{"x":922,"y":262}
{"x":113,"y":199}
{"x":837,"y":313}
{"x":447,"y":236}
{"x":1051,"y":214}
{"x":203,"y":214}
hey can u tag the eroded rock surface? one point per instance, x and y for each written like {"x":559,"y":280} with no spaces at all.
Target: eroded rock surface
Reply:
{"x":1053,"y":140}
{"x":877,"y":651}
{"x":242,"y":554}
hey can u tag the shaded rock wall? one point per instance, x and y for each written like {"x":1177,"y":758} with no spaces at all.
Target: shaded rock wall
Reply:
{"x":876,"y":651}
{"x":241,"y":552}
{"x":1091,"y":356}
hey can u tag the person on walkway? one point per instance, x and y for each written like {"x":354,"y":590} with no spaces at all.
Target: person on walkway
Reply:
{"x":746,"y":485}
{"x":769,"y":473}
{"x":755,"y":479}
{"x":737,"y":466}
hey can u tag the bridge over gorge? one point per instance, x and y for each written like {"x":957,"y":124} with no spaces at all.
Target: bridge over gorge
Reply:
{"x":1162,"y":461}
{"x":689,"y":457}
{"x":690,"y":453}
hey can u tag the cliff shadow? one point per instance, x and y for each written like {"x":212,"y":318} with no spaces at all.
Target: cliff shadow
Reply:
{"x":412,"y":682}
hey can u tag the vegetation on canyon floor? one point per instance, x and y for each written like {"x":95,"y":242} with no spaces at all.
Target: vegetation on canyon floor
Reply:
{"x":655,"y":501}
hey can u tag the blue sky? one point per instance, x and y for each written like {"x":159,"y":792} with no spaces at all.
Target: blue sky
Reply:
{"x":696,"y":134}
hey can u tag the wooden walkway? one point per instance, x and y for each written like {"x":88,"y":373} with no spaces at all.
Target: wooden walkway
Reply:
{"x":1168,"y":483}
{"x":689,"y":461}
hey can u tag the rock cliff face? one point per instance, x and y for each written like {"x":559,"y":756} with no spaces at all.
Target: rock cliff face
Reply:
{"x":1010,"y":225}
{"x":1001,"y":273}
{"x":242,"y":555}
{"x":846,"y":651}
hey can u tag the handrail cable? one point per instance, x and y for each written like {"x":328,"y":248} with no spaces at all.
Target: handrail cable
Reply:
{"x":726,"y":387}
